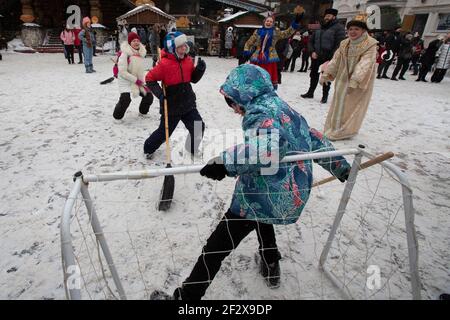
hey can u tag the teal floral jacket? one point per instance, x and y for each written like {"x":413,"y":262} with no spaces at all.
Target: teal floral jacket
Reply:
{"x":268,"y":192}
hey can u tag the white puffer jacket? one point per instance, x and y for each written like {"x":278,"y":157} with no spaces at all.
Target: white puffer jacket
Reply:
{"x":443,"y":55}
{"x":130,"y":72}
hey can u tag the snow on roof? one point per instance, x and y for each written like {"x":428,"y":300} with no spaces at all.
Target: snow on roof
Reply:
{"x":28,"y":24}
{"x":145,"y":7}
{"x":98,"y":25}
{"x":253,"y":26}
{"x":233,"y":16}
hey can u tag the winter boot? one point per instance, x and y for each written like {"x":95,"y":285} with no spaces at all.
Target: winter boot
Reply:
{"x":444,"y":296}
{"x":401,"y":78}
{"x":88,"y":69}
{"x":149,"y":156}
{"x":325,"y":91}
{"x":92,"y":68}
{"x":271,"y":273}
{"x":308,"y":95}
{"x":161,"y":295}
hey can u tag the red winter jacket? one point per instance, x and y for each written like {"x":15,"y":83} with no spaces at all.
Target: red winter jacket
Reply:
{"x":77,"y":41}
{"x":176,"y":75}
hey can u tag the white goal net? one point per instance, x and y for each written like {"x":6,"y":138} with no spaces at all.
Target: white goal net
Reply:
{"x":354,"y":240}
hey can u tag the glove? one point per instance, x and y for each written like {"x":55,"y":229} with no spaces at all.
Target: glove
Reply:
{"x":214,"y":169}
{"x":323,"y":81}
{"x":156,"y":89}
{"x":139,"y":83}
{"x":201,"y":65}
{"x":299,"y":17}
{"x":344,"y":175}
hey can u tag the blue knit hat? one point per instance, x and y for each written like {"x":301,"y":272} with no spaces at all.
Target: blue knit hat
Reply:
{"x":174,"y":40}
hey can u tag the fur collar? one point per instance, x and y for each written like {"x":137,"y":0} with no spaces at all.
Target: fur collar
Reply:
{"x":127,"y":49}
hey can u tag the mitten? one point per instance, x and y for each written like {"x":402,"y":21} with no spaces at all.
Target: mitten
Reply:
{"x":214,"y":169}
{"x":201,"y":65}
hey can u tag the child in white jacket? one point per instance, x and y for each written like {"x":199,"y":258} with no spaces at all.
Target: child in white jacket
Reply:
{"x":131,"y":77}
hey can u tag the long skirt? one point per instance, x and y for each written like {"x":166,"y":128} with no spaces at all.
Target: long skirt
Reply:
{"x":271,"y":68}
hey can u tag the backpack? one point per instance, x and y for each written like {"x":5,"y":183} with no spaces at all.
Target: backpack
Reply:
{"x":116,"y":61}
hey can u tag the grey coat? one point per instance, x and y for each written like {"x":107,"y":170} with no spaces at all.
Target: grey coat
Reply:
{"x":443,"y":54}
{"x":326,"y":40}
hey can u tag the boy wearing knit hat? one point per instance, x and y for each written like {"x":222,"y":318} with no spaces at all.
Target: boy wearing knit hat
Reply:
{"x":131,"y":76}
{"x":176,"y":71}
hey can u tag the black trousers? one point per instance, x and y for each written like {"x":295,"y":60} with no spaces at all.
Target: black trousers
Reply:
{"x":191,"y":120}
{"x":438,"y":75}
{"x":423,"y":71}
{"x":80,"y":53}
{"x":292,"y":62}
{"x":124,"y":103}
{"x":69,"y":50}
{"x":314,"y":75}
{"x":402,"y":64}
{"x":230,"y":231}
{"x":305,"y":61}
{"x":383,"y":68}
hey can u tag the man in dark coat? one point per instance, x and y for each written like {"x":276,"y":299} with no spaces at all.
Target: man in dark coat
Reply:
{"x":428,"y":58}
{"x":322,"y":45}
{"x":404,"y":56}
{"x":392,"y":45}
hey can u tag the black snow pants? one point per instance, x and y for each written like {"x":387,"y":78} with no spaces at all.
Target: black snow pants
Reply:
{"x":230,"y":231}
{"x":193,"y":123}
{"x":124,"y":103}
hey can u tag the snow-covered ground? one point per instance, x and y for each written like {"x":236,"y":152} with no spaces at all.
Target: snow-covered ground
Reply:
{"x":57,"y":120}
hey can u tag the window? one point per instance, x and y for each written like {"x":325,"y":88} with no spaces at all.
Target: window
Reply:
{"x":444,"y":22}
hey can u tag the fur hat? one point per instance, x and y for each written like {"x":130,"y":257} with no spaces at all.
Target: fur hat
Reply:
{"x":173,"y":40}
{"x":332,"y":11}
{"x":359,"y":21}
{"x":132,"y":36}
{"x":86,"y":20}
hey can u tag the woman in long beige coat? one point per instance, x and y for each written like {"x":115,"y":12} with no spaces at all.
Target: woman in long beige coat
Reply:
{"x":353,"y":68}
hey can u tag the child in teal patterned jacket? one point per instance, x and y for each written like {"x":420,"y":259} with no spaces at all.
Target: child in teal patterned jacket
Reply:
{"x":264,"y":195}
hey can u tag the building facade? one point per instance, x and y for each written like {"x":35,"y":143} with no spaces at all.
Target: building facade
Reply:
{"x":427,"y":17}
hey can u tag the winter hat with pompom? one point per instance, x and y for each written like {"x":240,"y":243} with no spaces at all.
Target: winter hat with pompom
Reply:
{"x":132,"y":36}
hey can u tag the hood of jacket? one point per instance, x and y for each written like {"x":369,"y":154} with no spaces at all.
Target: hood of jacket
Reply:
{"x":246,"y":84}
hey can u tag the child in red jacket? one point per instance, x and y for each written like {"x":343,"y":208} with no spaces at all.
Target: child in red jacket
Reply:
{"x":176,"y":71}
